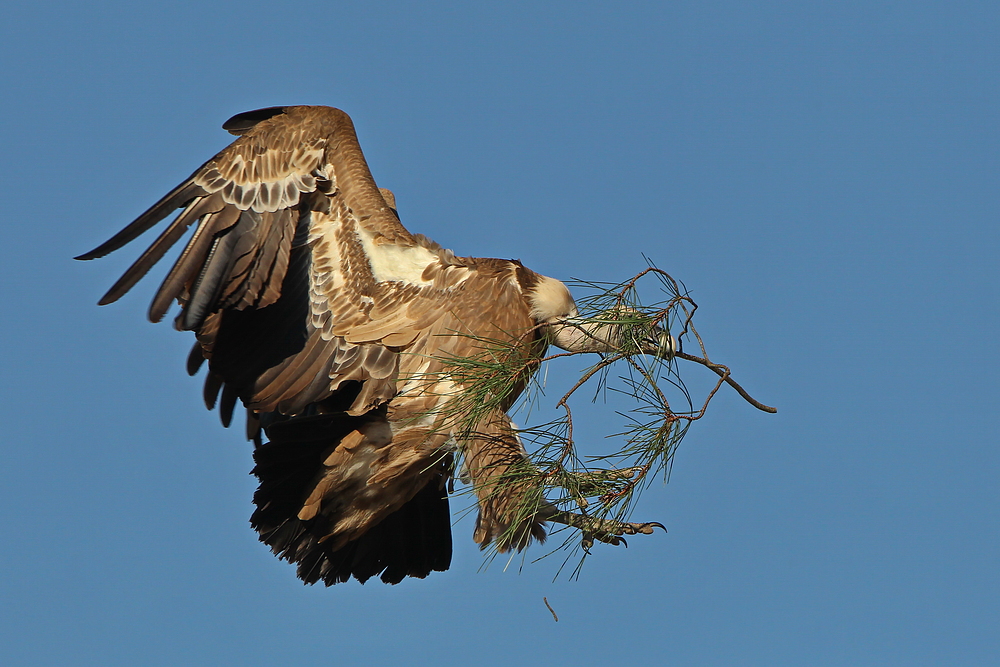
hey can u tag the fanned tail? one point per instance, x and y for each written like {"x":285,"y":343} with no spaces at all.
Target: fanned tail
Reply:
{"x":412,"y":541}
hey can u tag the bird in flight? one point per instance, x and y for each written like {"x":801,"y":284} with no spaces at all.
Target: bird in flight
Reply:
{"x":334,"y":326}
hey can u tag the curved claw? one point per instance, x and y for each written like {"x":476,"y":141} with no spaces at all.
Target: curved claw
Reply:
{"x":647,"y":528}
{"x":641,"y":528}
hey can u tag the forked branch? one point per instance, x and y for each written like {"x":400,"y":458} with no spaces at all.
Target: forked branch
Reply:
{"x":723,"y":372}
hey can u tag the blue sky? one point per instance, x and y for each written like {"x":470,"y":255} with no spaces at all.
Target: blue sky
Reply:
{"x":823,"y":176}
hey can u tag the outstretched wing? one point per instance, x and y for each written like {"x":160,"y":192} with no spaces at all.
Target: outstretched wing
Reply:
{"x":298,"y":276}
{"x":307,"y":295}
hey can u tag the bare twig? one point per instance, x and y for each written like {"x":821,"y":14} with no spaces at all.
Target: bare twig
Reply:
{"x":723,"y":372}
{"x":551,"y":610}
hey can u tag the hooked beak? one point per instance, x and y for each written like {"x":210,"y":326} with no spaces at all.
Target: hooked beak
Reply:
{"x":661,"y":344}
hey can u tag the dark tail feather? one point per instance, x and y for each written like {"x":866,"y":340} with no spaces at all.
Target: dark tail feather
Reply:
{"x":413,"y":541}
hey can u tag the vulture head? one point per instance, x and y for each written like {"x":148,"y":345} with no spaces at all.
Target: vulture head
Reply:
{"x":618,"y":330}
{"x":613,"y":331}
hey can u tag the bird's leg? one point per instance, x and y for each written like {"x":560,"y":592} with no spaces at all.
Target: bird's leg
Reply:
{"x":603,"y":530}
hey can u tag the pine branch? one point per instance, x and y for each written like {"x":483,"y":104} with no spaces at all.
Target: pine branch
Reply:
{"x":555,"y":483}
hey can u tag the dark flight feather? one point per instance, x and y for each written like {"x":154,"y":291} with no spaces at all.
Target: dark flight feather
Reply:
{"x":177,"y":198}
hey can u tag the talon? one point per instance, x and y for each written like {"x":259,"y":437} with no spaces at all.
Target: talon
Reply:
{"x":603,"y":530}
{"x":645,"y":528}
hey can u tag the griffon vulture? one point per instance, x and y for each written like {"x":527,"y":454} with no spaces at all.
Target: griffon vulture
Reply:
{"x":333,"y":324}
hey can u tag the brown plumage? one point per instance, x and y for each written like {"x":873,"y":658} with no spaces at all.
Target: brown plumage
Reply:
{"x":319,"y":312}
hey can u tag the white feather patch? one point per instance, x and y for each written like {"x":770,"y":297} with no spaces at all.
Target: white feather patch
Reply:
{"x":551,"y":299}
{"x":391,"y":262}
